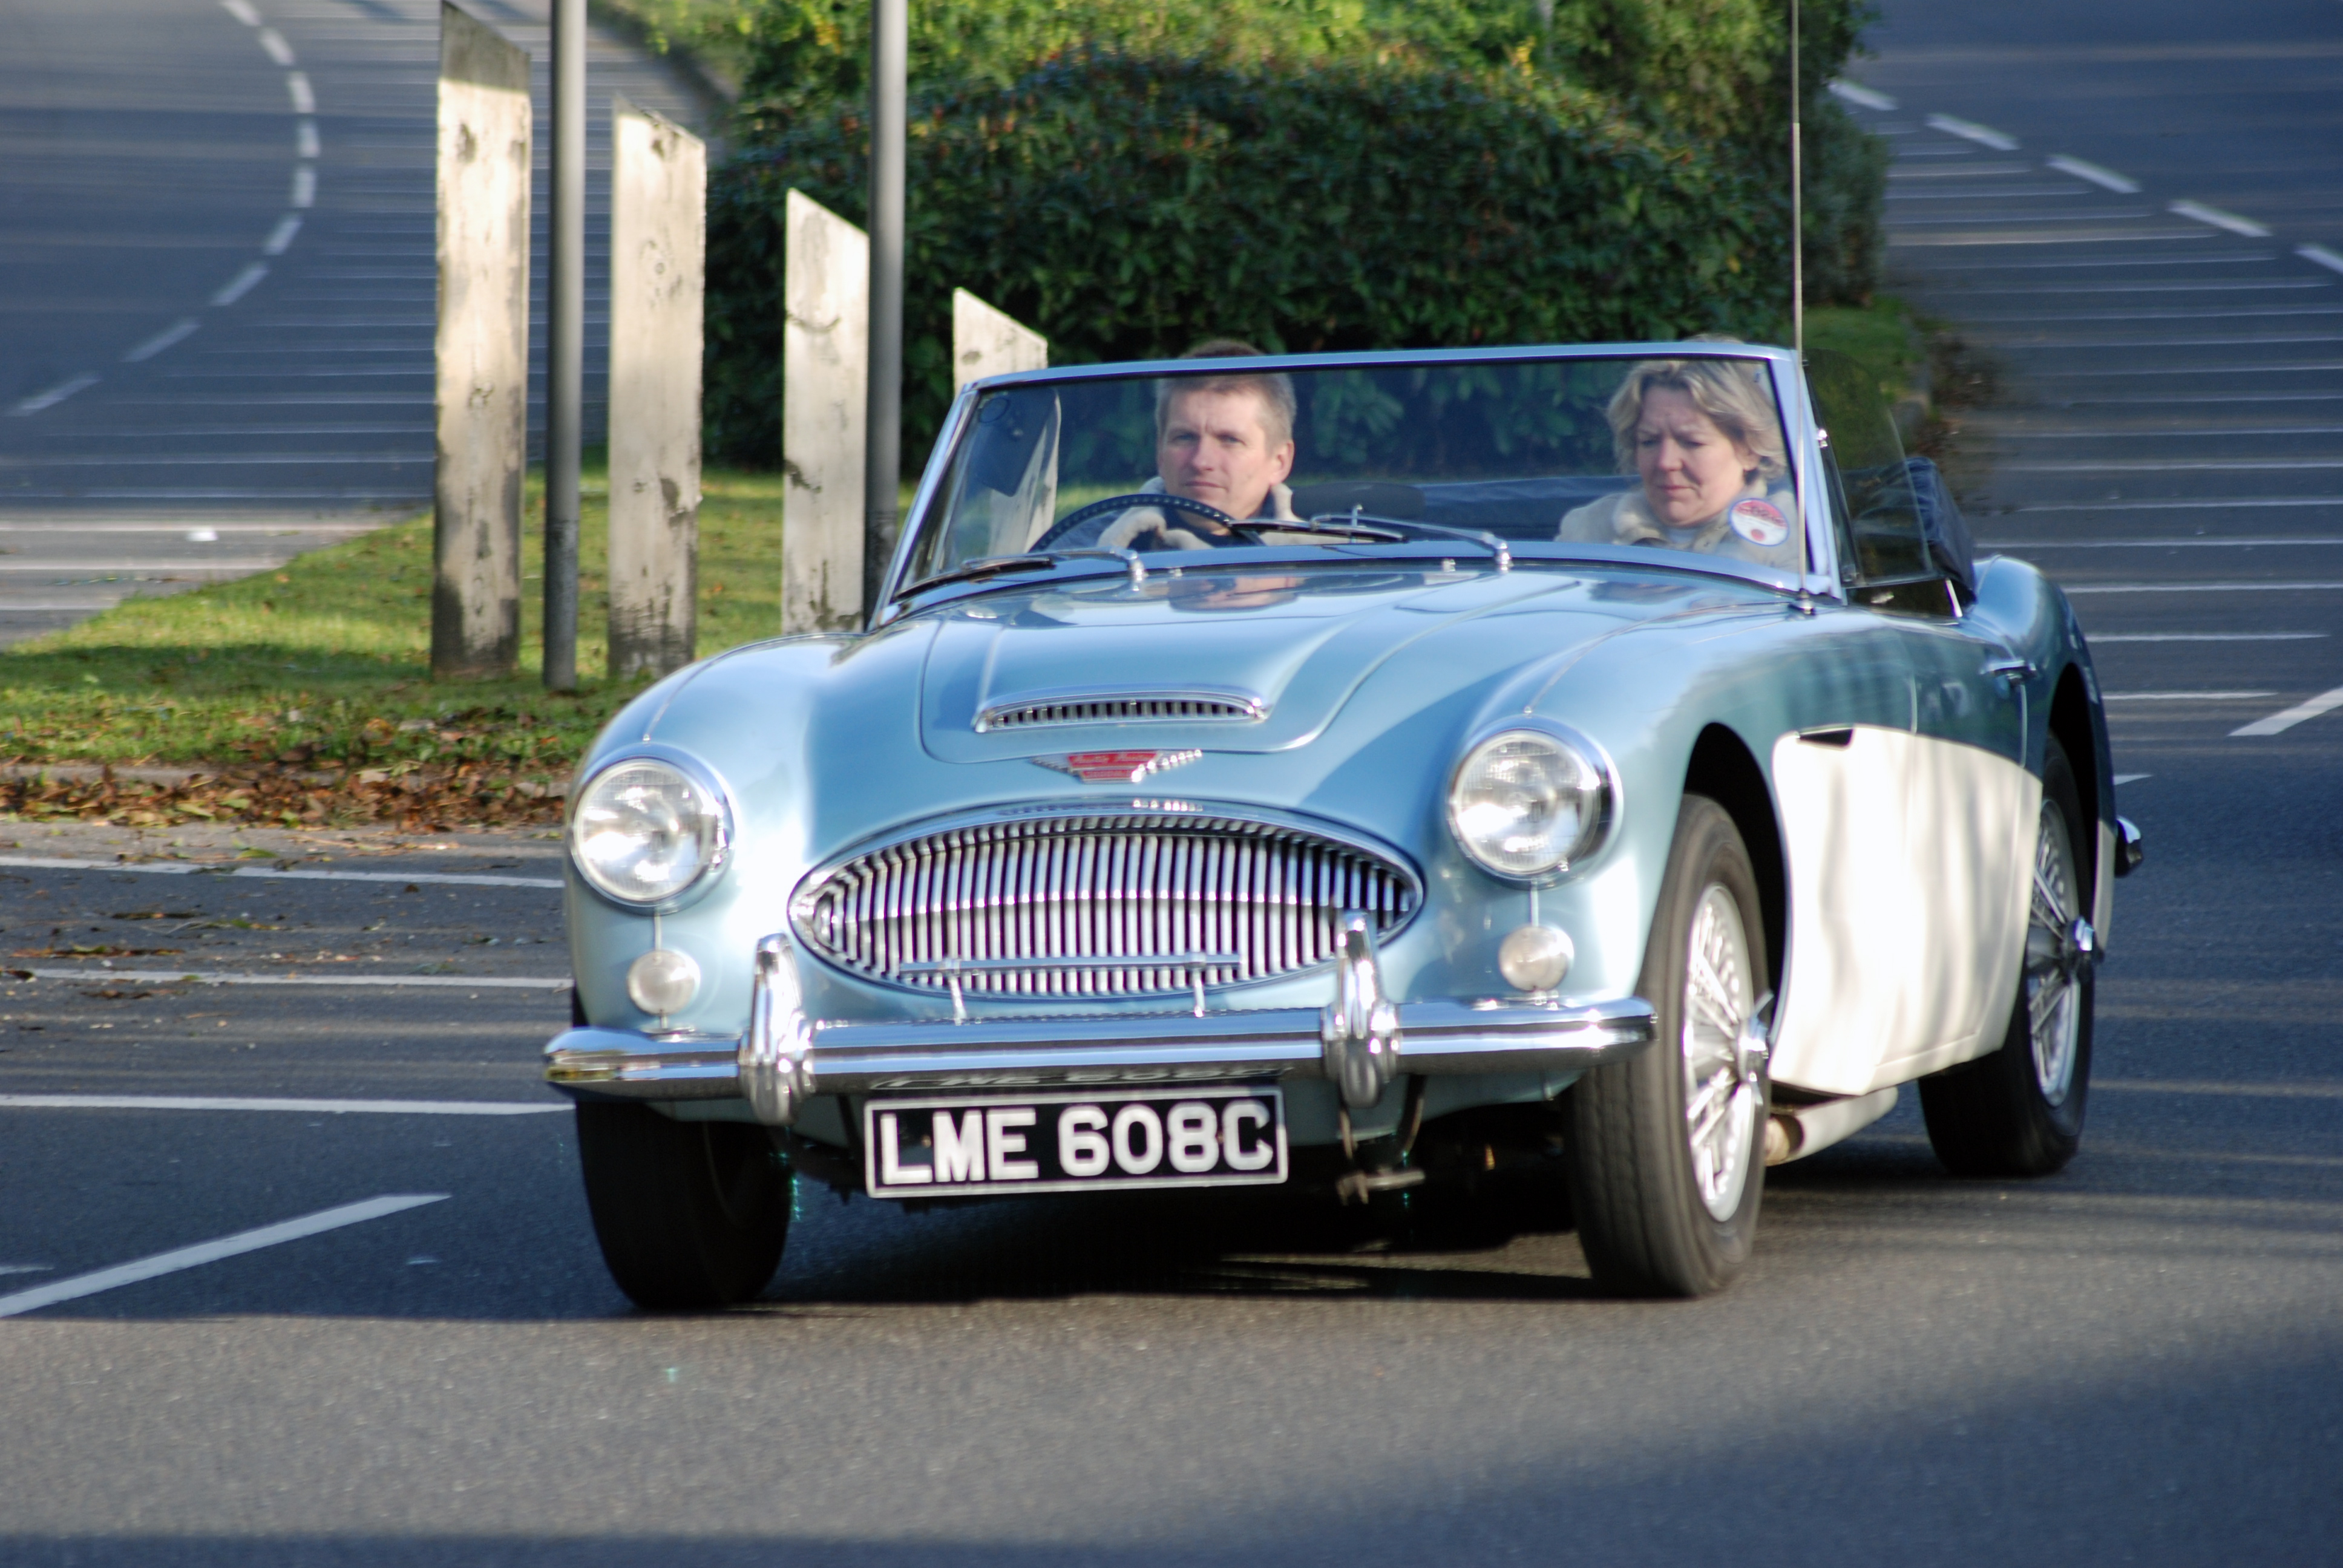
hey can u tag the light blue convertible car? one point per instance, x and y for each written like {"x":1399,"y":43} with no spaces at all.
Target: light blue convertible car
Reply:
{"x":1352,"y":771}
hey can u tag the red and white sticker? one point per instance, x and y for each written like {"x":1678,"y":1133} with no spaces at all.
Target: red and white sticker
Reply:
{"x":1760,"y":522}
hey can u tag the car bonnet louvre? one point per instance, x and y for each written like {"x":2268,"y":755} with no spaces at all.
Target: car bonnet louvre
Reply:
{"x":1134,"y":904}
{"x":1044,"y":709}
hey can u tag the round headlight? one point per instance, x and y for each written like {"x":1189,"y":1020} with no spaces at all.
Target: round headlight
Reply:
{"x":646,"y":831}
{"x":1525,"y":803}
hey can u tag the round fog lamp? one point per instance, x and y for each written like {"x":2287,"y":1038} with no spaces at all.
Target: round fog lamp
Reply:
{"x":1535,"y":958}
{"x":663,"y":982}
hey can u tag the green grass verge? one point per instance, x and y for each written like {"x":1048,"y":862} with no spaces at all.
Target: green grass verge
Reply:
{"x":326,"y":662}
{"x":1882,"y":337}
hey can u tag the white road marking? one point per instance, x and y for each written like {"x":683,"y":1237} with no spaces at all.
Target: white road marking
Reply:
{"x":2112,"y":236}
{"x":280,"y":238}
{"x":223,"y":976}
{"x":2140,"y":544}
{"x":28,"y":1268}
{"x":178,"y":332}
{"x":1961,"y":172}
{"x":2132,"y":778}
{"x":55,"y":395}
{"x":2266,"y":340}
{"x":2221,"y":505}
{"x":2202,"y":587}
{"x":2278,"y":723}
{"x":2219,"y":219}
{"x":2222,"y":1086}
{"x":2093,"y":172}
{"x":2093,"y":431}
{"x":305,"y":186}
{"x":2169,"y":465}
{"x":190,"y":869}
{"x":242,"y":284}
{"x":179,"y":1258}
{"x":279,"y":49}
{"x":1983,"y":193}
{"x":2204,"y":636}
{"x":242,"y":11}
{"x":2321,"y":254}
{"x":305,"y":102}
{"x":1969,"y":130}
{"x":1862,"y":96}
{"x":305,"y":139}
{"x":302,"y":1107}
{"x":2181,"y":696}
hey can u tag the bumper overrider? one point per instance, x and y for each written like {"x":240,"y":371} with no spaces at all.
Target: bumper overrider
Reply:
{"x":1361,"y":1040}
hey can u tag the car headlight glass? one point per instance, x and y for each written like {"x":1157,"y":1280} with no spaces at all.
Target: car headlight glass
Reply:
{"x":1525,"y":803}
{"x":646,"y":831}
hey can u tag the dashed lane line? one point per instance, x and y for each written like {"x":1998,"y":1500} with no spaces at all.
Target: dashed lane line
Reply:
{"x":2104,"y":177}
{"x":2073,"y":589}
{"x":2097,"y":637}
{"x":2183,"y":696}
{"x":2230,"y":221}
{"x":2280,"y":722}
{"x":1863,"y":96}
{"x":1970,"y":131}
{"x":55,"y":395}
{"x":2144,"y":544}
{"x":299,"y":1107}
{"x":271,"y":873}
{"x":182,"y":1257}
{"x":2321,"y":256}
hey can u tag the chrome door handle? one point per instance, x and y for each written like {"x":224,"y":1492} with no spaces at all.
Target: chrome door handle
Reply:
{"x":2011,"y":669}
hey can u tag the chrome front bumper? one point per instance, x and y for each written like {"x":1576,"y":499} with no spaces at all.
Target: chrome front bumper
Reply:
{"x":1359,"y":1041}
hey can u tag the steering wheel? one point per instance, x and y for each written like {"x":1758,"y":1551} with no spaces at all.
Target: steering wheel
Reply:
{"x":1064,"y":528}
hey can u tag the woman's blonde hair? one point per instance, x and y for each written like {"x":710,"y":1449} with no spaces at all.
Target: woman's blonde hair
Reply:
{"x":1731,"y":392}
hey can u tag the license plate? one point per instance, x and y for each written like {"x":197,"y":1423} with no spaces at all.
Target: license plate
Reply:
{"x":950,"y":1145}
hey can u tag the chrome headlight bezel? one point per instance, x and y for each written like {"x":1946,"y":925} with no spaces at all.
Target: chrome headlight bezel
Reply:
{"x":703,"y":780}
{"x":1602,"y":821}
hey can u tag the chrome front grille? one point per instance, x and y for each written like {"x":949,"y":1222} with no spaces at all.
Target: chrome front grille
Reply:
{"x":1099,"y":905}
{"x":1123,"y":708}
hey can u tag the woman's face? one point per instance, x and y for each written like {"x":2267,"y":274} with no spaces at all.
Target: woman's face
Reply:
{"x":1692,"y":470}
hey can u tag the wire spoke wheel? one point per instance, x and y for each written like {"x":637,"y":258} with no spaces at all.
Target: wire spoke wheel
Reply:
{"x":2052,"y":1011}
{"x":1666,"y":1177}
{"x":1721,"y":1105}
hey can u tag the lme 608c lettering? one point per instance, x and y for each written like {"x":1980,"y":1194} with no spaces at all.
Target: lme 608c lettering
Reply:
{"x":1191,"y":1137}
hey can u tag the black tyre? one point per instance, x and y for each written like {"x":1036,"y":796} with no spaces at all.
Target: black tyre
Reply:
{"x":1666,"y":1148}
{"x":690,"y":1214}
{"x":2019,"y":1112}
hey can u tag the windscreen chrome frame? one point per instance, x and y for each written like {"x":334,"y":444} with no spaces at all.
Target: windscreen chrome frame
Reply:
{"x":1790,"y":403}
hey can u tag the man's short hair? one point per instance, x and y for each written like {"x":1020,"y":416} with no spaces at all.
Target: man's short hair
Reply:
{"x":1275,"y":390}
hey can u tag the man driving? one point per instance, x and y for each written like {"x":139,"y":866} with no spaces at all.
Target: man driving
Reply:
{"x":1224,"y":440}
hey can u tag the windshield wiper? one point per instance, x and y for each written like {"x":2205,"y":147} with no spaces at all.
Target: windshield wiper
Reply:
{"x":1498,"y":551}
{"x":987,"y":566}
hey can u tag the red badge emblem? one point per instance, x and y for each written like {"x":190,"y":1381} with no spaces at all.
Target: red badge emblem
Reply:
{"x":1117,"y":766}
{"x":1760,"y":522}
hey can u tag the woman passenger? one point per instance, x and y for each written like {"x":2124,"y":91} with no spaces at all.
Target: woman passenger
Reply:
{"x":1704,"y":436}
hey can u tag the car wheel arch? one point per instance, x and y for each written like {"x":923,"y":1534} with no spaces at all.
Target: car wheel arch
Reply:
{"x":1723,"y":768}
{"x":2070,"y":722}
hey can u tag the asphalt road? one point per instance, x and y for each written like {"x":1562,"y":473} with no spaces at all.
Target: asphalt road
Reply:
{"x":2135,"y":1362}
{"x":216,"y":293}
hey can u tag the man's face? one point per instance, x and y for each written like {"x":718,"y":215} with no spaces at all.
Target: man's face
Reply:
{"x":1215,"y":449}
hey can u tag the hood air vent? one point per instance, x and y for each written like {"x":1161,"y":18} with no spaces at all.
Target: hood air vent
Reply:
{"x":1044,"y":709}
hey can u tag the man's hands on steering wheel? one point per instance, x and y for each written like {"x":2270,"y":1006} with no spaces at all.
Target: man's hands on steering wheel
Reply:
{"x":1158,"y":499}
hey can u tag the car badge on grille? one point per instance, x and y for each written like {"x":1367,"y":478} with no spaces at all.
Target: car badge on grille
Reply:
{"x":1117,"y":766}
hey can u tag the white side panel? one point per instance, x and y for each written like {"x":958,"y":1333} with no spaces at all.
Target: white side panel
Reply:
{"x":1853,"y":965}
{"x":1908,"y":863}
{"x":1974,"y":818}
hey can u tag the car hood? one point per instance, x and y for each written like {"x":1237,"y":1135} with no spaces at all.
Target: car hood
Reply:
{"x":1247,"y":662}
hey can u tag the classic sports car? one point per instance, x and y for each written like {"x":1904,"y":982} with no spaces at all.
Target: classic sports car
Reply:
{"x":1353,"y":770}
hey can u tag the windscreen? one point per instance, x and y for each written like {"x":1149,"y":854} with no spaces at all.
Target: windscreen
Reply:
{"x":1677,"y":454}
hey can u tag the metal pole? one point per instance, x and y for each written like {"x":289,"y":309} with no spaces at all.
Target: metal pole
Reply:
{"x":564,"y":345}
{"x":883,"y":431}
{"x":1798,"y":201}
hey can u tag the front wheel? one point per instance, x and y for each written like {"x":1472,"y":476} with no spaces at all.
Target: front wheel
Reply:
{"x":690,"y":1214}
{"x":2019,"y":1112}
{"x":1666,"y":1148}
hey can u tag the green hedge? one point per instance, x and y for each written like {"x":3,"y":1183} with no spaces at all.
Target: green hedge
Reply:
{"x":1128,"y":205}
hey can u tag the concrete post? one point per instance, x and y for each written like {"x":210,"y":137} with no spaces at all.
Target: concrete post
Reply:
{"x":989,"y":342}
{"x":825,"y":388}
{"x":564,"y":343}
{"x":658,"y":220}
{"x":482,"y":349}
